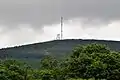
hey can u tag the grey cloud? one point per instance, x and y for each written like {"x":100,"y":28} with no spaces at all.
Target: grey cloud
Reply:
{"x":43,"y":12}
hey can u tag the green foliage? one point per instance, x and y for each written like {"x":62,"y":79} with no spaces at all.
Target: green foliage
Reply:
{"x":13,"y":70}
{"x":32,"y":53}
{"x":94,"y":61}
{"x":89,"y":49}
{"x":48,"y":62}
{"x":88,"y":62}
{"x":50,"y":69}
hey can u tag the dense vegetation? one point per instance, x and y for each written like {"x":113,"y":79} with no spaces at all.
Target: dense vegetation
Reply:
{"x":91,"y":61}
{"x":32,"y":53}
{"x":58,"y":48}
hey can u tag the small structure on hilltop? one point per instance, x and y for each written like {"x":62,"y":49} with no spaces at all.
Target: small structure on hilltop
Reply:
{"x":60,"y":36}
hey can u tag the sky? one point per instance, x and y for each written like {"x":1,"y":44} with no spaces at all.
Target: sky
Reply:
{"x":30,"y":21}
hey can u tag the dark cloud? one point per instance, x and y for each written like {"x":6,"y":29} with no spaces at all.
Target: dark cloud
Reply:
{"x":43,"y":12}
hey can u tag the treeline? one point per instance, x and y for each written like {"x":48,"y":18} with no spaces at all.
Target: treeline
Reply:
{"x":90,"y":62}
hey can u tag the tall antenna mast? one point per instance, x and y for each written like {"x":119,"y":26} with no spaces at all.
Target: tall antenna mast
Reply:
{"x":61,"y":28}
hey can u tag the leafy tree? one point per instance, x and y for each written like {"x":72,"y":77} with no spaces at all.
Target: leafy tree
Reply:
{"x":94,"y":61}
{"x":88,"y":62}
{"x":48,"y":62}
{"x":89,"y":49}
{"x":13,"y":70}
{"x":49,"y":68}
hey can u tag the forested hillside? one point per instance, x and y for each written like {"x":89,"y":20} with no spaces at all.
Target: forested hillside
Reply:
{"x":58,"y":48}
{"x":86,"y":62}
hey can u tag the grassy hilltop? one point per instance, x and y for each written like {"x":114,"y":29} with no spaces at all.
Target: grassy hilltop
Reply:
{"x":59,"y":48}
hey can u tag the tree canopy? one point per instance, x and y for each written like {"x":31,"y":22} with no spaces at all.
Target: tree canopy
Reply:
{"x":92,"y":61}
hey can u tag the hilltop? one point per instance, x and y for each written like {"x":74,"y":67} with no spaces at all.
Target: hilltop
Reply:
{"x":58,"y":48}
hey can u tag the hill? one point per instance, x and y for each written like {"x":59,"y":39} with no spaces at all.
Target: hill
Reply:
{"x":59,"y":48}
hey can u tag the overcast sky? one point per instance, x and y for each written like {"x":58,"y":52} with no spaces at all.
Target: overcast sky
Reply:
{"x":29,"y":21}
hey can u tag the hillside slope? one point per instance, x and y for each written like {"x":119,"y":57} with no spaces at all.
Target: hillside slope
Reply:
{"x":56,"y":48}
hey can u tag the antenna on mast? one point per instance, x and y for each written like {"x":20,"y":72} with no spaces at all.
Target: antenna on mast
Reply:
{"x":61,"y":28}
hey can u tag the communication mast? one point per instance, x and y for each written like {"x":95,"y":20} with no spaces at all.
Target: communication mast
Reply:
{"x":61,"y":28}
{"x":60,"y":36}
